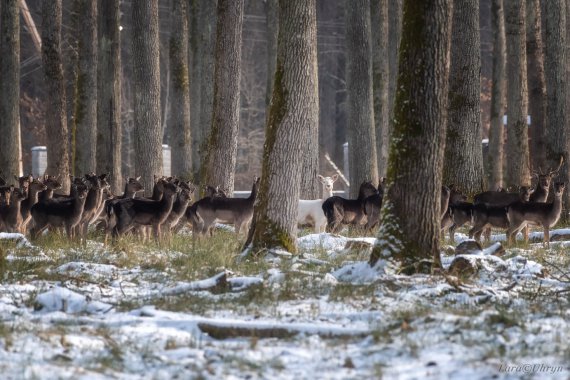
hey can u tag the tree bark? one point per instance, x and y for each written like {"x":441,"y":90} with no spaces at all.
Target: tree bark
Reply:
{"x":380,"y":81}
{"x":293,"y":106}
{"x":496,"y":131}
{"x":180,"y":104}
{"x":219,"y":164}
{"x":10,"y":151}
{"x":536,"y":85}
{"x":410,"y":226}
{"x":109,"y":93}
{"x":518,"y":166}
{"x":195,"y":83}
{"x":463,"y":154}
{"x":361,"y":134}
{"x":555,"y":64}
{"x":56,"y":120}
{"x":146,"y":80}
{"x":272,"y":12}
{"x":86,"y":91}
{"x":394,"y":36}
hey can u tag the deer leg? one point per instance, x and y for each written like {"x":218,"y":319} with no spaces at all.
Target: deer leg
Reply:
{"x":525,"y":233}
{"x":547,"y":236}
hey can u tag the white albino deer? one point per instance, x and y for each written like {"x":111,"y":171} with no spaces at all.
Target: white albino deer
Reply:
{"x":311,"y":211}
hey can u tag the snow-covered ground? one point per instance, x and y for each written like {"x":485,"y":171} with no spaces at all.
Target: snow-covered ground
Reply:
{"x":87,"y":313}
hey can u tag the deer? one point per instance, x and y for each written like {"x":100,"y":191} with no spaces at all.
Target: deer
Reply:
{"x":180,"y":204}
{"x":372,"y":206}
{"x":310,"y":211}
{"x":542,"y":189}
{"x":35,"y":188}
{"x":339,"y":210}
{"x":133,"y":212}
{"x":56,"y":213}
{"x":5,"y":192}
{"x":455,"y":211}
{"x":52,"y":183}
{"x":10,"y":217}
{"x":210,"y":210}
{"x":97,"y":185}
{"x":190,"y":213}
{"x":520,"y":214}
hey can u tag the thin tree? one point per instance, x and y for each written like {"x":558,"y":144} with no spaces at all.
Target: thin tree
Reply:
{"x":10,"y":150}
{"x":363,"y":164}
{"x":293,"y":104}
{"x":146,"y":80}
{"x":195,"y":63}
{"x":272,"y":14}
{"x":394,"y":37}
{"x":410,"y":226}
{"x":536,"y":85}
{"x":496,"y":130}
{"x":463,"y":154}
{"x":517,"y":152}
{"x":55,"y":119}
{"x":555,"y":64}
{"x":219,"y":165}
{"x":86,"y":90}
{"x":109,"y":93}
{"x":180,"y":104}
{"x":380,"y":80}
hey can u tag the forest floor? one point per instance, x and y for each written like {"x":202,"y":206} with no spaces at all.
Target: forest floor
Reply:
{"x":193,"y":311}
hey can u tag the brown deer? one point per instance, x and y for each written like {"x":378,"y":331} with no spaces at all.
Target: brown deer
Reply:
{"x":372,"y":206}
{"x":520,"y":214}
{"x":59,"y":213}
{"x":543,"y":185}
{"x":35,"y":188}
{"x":10,"y":217}
{"x":5,"y":192}
{"x":180,"y":205}
{"x":93,"y":201}
{"x":210,"y":210}
{"x":52,"y":183}
{"x":339,"y":210}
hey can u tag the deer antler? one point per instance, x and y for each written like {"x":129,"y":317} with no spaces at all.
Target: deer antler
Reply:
{"x":558,"y":168}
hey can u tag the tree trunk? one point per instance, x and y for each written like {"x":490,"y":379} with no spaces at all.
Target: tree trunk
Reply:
{"x":70,"y":62}
{"x":109,"y":93}
{"x":463,"y":162}
{"x":10,"y":151}
{"x":272,"y":11}
{"x":195,"y":83}
{"x":536,"y":85}
{"x":180,"y":105}
{"x":293,"y":106}
{"x":555,"y":64}
{"x":496,"y":131}
{"x":380,"y":81}
{"x":86,"y":91}
{"x":220,"y":162}
{"x":361,"y":134}
{"x":518,"y":170}
{"x":56,"y":120}
{"x":410,"y":228}
{"x":146,"y":80}
{"x":394,"y":36}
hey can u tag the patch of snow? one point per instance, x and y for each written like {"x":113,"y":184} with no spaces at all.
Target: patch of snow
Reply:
{"x":62,"y":299}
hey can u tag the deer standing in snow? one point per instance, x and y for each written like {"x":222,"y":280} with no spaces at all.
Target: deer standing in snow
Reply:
{"x":311,"y":211}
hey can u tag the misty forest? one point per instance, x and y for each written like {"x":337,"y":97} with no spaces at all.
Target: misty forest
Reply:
{"x":284,"y":189}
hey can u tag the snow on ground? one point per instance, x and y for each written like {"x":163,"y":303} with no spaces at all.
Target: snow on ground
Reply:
{"x":322,"y":314}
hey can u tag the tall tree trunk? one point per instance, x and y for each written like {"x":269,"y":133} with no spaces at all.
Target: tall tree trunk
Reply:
{"x":555,"y":63}
{"x":463,"y":154}
{"x":10,"y":151}
{"x":56,"y":120}
{"x":109,"y":93}
{"x":180,"y":104}
{"x":272,"y":11}
{"x":361,"y":134}
{"x":70,"y":61}
{"x":208,"y":42}
{"x":536,"y":85}
{"x":86,"y":91}
{"x":518,"y":170}
{"x":195,"y":83}
{"x":146,"y":80}
{"x":380,"y":80}
{"x":410,"y":226}
{"x":293,"y":106}
{"x":496,"y":131}
{"x":220,"y":162}
{"x":394,"y":36}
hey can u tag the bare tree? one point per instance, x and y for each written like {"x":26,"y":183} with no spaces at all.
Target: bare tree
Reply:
{"x":293,"y":104}
{"x":10,"y":143}
{"x":410,"y":226}
{"x":219,"y":164}
{"x":195,"y":68}
{"x":56,"y":120}
{"x":380,"y":80}
{"x":86,"y":90}
{"x":109,"y":93}
{"x":394,"y":36}
{"x":180,"y":104}
{"x":496,"y":131}
{"x":272,"y":11}
{"x":463,"y":155}
{"x":518,"y":170}
{"x":146,"y":80}
{"x":361,"y":134}
{"x":536,"y":84}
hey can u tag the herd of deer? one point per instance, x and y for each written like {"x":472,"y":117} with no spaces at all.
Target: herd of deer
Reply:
{"x":33,"y":206}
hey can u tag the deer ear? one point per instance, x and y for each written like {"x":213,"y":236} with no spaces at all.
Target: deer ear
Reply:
{"x":321,"y":178}
{"x":138,"y":178}
{"x":334,"y":177}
